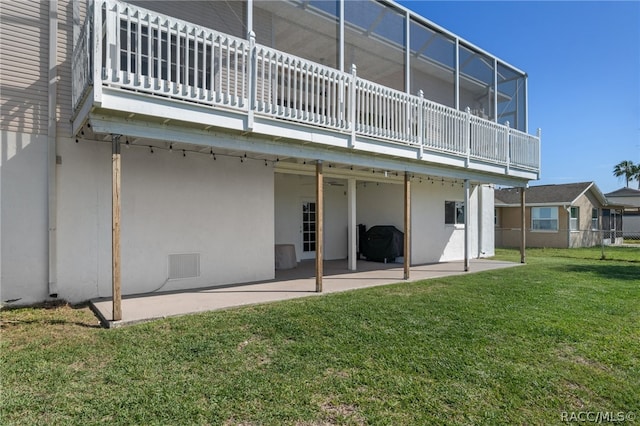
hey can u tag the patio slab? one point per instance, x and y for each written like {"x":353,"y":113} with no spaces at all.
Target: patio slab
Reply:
{"x":288,"y":284}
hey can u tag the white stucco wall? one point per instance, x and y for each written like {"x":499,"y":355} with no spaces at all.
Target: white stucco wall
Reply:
{"x":380,"y":204}
{"x":231,"y":213}
{"x":23,"y":218}
{"x":432,"y":240}
{"x":290,"y":191}
{"x":221,"y":209}
{"x":486,"y":220}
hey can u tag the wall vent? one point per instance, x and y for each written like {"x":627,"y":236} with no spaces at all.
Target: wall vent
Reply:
{"x":185,"y":265}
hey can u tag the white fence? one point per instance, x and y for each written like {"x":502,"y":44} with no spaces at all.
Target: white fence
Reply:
{"x":136,"y":49}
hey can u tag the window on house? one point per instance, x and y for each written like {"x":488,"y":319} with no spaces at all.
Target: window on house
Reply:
{"x":594,"y":219}
{"x":454,"y":213}
{"x":544,"y":218}
{"x":574,"y":224}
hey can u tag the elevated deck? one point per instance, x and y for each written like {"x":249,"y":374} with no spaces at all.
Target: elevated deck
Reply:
{"x":140,"y":73}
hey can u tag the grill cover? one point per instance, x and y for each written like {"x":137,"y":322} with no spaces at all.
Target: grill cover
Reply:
{"x":382,"y":244}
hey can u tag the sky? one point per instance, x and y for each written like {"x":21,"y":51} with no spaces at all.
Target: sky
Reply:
{"x":583,"y":63}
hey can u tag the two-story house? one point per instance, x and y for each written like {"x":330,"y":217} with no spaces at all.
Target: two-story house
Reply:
{"x":156,"y":145}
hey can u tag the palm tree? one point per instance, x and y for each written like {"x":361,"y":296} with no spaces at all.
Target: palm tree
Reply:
{"x":627,"y":169}
{"x":636,"y":174}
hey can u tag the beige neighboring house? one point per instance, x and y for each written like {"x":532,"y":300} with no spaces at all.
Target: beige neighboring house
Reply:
{"x":629,"y":198}
{"x":563,"y":216}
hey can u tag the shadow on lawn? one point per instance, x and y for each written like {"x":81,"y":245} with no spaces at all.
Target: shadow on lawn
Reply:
{"x":629,"y":272}
{"x":6,"y":323}
{"x":57,"y":312}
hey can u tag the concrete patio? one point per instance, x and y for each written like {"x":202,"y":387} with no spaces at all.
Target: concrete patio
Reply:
{"x":288,"y":284}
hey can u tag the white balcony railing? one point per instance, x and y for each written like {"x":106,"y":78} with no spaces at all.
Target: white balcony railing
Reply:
{"x":128,"y":47}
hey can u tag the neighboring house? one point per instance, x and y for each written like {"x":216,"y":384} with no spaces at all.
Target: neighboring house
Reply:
{"x":168,"y":145}
{"x":565,"y":216}
{"x":629,"y":199}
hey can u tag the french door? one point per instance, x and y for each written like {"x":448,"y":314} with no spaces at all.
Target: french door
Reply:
{"x":308,"y":229}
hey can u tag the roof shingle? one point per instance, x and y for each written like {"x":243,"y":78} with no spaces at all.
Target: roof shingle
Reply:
{"x":543,"y":194}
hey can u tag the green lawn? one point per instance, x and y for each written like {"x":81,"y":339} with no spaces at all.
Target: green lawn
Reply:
{"x":516,"y":346}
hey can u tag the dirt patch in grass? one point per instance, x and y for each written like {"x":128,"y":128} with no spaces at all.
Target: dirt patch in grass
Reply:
{"x":568,"y":353}
{"x":331,"y":372}
{"x":341,"y":414}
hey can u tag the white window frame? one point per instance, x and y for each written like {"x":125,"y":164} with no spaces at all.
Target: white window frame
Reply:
{"x":595,"y":226}
{"x":537,"y":218}
{"x":574,"y":219}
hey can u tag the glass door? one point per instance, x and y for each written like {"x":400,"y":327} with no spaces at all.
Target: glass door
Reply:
{"x":308,"y":229}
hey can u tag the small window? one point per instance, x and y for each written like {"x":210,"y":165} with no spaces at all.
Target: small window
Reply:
{"x":544,"y":218}
{"x":574,"y":224}
{"x":594,"y":219}
{"x":454,"y":213}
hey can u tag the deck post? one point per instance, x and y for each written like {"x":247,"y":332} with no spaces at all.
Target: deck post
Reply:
{"x":421,"y":124}
{"x":115,"y":227}
{"x":96,"y":32}
{"x":466,"y":224}
{"x":352,"y":228}
{"x":249,"y":16}
{"x":352,"y":105}
{"x":523,"y":226}
{"x":467,"y":142}
{"x":507,"y":146}
{"x":319,"y":225}
{"x":407,"y":225}
{"x":253,"y":80}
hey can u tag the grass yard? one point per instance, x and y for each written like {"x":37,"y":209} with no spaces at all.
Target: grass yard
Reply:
{"x":515,"y":346}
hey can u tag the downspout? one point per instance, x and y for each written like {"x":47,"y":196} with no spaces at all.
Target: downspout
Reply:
{"x":51,"y":146}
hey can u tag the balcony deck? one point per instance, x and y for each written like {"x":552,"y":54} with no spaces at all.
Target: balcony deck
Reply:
{"x":134,"y":68}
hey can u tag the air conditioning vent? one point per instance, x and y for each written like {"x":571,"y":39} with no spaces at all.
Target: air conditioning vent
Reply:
{"x":185,"y":265}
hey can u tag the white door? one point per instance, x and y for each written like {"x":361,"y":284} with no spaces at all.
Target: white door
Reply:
{"x":308,"y":229}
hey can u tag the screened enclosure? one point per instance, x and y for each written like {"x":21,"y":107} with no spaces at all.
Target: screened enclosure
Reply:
{"x":394,"y":47}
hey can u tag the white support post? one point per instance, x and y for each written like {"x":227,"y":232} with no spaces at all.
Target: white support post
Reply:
{"x":421,"y":124}
{"x":341,"y":36}
{"x":97,"y":52}
{"x":467,"y":234}
{"x":495,"y":90}
{"x":457,"y":75}
{"x":249,"y":16}
{"x":507,"y":147}
{"x":539,"y":134}
{"x":469,"y":136}
{"x":352,"y":226}
{"x":407,"y":225}
{"x":526,"y":101}
{"x":352,"y":105}
{"x":407,"y":53}
{"x":319,"y":226}
{"x":253,"y":79}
